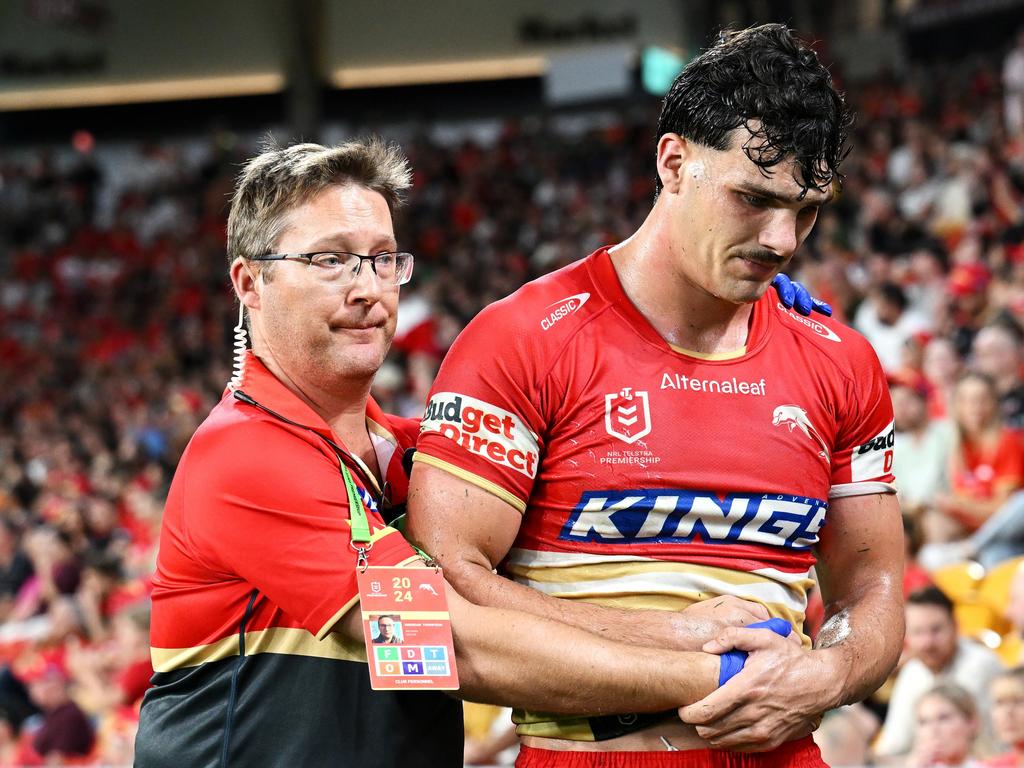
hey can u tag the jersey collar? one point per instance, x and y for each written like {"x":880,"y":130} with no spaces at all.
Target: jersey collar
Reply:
{"x":608,"y":286}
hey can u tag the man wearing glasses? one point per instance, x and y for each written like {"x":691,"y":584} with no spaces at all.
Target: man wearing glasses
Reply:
{"x":255,"y":604}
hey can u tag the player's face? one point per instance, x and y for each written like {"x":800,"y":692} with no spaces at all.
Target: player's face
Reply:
{"x":1008,"y":710}
{"x":316,"y":329}
{"x":733,"y":228}
{"x":931,"y":635}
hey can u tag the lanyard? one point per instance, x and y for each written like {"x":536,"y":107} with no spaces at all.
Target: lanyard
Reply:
{"x":357,"y":518}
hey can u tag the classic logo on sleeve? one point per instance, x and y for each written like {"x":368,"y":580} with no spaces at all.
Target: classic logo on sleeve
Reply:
{"x":873,"y":459}
{"x":819,"y":328}
{"x":562,"y":308}
{"x":483,"y":429}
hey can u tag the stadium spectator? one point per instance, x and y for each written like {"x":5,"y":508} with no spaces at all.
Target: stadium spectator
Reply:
{"x":942,"y":366}
{"x":999,"y":353}
{"x":986,"y":468}
{"x":945,"y":728}
{"x":64,"y":731}
{"x":1007,"y":694}
{"x":921,"y":462}
{"x":888,"y":322}
{"x":845,"y":735}
{"x":1013,"y":88}
{"x":934,"y":653}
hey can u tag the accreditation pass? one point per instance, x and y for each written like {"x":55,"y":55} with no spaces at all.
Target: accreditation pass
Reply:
{"x":407,"y":629}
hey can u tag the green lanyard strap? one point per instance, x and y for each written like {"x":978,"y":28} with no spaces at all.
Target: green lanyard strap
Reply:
{"x":357,"y":514}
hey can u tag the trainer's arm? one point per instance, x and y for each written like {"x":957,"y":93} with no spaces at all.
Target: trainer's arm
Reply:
{"x":469,"y":531}
{"x":860,"y":569}
{"x":515,"y":659}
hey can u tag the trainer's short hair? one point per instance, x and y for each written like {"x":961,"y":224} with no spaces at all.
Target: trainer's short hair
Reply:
{"x":280,"y":179}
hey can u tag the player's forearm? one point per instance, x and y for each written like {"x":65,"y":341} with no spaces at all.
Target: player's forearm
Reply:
{"x":516,"y":659}
{"x":860,"y":641}
{"x":860,"y":569}
{"x":652,"y":629}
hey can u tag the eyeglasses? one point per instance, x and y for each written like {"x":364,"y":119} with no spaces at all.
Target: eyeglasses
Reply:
{"x":342,"y":267}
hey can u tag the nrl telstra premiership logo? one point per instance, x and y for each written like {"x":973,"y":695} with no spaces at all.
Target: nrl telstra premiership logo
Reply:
{"x":627,"y":415}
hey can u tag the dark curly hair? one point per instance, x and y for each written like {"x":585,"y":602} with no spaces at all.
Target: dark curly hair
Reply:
{"x":766,"y":79}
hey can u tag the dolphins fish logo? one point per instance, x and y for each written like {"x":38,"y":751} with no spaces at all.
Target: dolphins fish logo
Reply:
{"x":795,"y":417}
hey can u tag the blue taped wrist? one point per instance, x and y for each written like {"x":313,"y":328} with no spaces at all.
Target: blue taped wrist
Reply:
{"x":732,"y":661}
{"x":778,"y":626}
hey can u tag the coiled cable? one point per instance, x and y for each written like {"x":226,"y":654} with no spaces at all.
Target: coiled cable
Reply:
{"x":240,"y":345}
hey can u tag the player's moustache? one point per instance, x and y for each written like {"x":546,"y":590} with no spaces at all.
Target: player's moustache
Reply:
{"x":766,"y":257}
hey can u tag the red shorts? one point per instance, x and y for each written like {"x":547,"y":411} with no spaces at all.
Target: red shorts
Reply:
{"x":802,"y":753}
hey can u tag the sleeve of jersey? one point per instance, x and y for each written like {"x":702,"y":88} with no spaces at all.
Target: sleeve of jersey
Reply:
{"x":863,"y":453}
{"x":278,"y":518}
{"x":483,"y":421}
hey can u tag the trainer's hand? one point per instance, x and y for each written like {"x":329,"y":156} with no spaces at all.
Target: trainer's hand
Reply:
{"x":703,"y":621}
{"x":794,"y":295}
{"x":777,"y":697}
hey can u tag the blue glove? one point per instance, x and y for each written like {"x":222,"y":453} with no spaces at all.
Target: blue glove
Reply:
{"x":733,"y":661}
{"x":793,"y":295}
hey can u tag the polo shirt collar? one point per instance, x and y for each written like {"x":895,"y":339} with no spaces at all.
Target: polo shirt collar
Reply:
{"x":266,"y":389}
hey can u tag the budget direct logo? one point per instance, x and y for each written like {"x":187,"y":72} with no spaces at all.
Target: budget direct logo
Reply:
{"x":563,"y":308}
{"x":874,"y":458}
{"x":484,"y":429}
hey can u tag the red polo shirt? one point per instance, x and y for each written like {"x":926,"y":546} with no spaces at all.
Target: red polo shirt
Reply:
{"x":255,"y":568}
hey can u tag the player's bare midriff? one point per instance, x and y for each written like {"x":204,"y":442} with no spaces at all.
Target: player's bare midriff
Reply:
{"x":678,"y":734}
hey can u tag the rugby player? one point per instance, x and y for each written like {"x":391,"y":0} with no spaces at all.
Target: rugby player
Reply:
{"x":656,"y":430}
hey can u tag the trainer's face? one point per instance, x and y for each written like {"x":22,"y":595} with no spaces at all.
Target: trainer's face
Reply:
{"x":731,"y":228}
{"x":317,"y":329}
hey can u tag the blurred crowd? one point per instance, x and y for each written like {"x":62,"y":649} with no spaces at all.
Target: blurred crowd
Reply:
{"x":115,"y":331}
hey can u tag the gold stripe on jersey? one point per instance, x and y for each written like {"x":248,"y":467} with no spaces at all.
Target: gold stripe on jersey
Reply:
{"x":291,"y":641}
{"x":469,"y":477}
{"x":732,"y":354}
{"x":634,"y":582}
{"x":639,"y":583}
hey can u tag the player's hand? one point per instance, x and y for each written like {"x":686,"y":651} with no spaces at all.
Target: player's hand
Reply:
{"x":777,"y":697}
{"x":703,"y":621}
{"x":794,"y":295}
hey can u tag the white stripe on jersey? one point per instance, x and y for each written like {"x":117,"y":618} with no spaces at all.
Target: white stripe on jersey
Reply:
{"x":692,"y":583}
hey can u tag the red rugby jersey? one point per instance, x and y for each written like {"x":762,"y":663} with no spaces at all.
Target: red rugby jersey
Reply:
{"x":650,"y":477}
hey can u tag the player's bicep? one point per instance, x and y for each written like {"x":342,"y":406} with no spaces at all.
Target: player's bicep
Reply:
{"x":458,"y":521}
{"x":861,"y":547}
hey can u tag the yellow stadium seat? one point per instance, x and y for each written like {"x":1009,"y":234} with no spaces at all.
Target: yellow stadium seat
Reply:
{"x":1009,"y":650}
{"x":960,"y":581}
{"x":995,"y":589}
